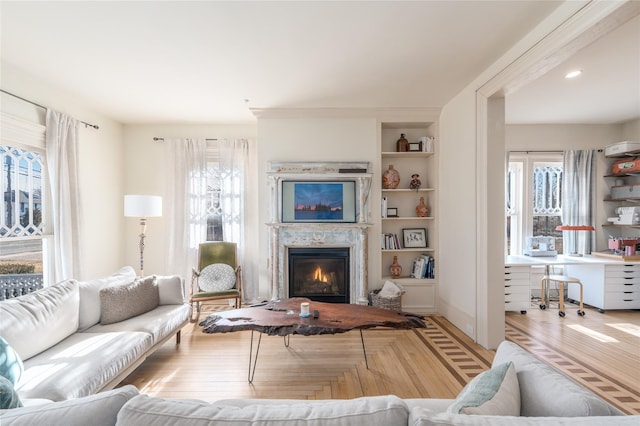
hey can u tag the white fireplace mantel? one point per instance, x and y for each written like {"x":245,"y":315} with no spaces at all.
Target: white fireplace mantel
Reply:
{"x":283,"y":236}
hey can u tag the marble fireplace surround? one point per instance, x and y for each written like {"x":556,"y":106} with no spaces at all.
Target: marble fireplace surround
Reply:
{"x":283,"y":236}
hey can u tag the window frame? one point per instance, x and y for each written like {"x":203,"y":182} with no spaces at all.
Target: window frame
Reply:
{"x":24,"y":134}
{"x":522,"y":202}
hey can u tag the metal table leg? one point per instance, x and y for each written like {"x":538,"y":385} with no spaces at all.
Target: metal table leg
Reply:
{"x":364,"y":350}
{"x":252,"y":371}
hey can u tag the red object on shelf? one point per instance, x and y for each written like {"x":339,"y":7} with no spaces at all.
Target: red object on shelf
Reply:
{"x":575,"y":228}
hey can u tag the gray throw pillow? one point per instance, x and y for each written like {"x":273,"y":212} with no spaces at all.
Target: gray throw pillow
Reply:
{"x":122,"y":302}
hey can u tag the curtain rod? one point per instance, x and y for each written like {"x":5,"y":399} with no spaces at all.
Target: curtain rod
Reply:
{"x":95,"y":126}
{"x":162,"y":139}
{"x":533,"y":151}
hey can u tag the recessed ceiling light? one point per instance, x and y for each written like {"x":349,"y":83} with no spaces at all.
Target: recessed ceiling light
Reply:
{"x":573,"y":74}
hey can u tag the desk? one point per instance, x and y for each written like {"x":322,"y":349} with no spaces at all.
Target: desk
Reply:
{"x":608,"y":283}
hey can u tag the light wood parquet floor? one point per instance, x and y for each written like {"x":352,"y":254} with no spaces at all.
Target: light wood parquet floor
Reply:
{"x":600,"y":351}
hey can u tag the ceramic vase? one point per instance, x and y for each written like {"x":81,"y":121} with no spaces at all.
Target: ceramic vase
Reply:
{"x":395,"y":269}
{"x":421,"y":209}
{"x":390,"y":178}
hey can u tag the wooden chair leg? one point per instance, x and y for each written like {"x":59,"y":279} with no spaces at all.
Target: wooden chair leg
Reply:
{"x":561,"y":298}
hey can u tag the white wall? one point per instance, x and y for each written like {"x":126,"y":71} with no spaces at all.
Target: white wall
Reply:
{"x":145,"y":163}
{"x":469,"y":261}
{"x":101,"y":167}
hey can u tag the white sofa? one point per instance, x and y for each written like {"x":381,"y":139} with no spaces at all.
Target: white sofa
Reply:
{"x":68,"y":351}
{"x":546,"y":397}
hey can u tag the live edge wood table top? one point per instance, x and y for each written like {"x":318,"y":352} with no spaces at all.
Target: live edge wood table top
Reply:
{"x":282,"y":318}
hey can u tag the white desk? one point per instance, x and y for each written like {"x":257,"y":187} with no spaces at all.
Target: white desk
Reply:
{"x":608,"y":283}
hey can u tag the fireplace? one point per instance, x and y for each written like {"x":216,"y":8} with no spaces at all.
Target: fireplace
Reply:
{"x":349,"y":238}
{"x":320,"y":274}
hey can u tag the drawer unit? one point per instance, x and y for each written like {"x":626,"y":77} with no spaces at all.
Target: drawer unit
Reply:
{"x":608,"y":286}
{"x":517,"y":292}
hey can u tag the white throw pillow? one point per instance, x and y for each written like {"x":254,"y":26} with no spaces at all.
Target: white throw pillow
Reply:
{"x":495,"y":392}
{"x":217,"y":277}
{"x":170,"y":290}
{"x":90,"y":295}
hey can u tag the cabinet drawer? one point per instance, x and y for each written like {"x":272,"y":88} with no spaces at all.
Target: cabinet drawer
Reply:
{"x":516,"y":305}
{"x":516,"y":289}
{"x":517,"y":297}
{"x":623,"y":285}
{"x":621,"y":300}
{"x":516,"y":283}
{"x":521,"y":276}
{"x":622,"y":273}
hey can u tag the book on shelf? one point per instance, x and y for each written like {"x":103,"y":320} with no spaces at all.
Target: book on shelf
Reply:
{"x":423,"y":266}
{"x":389,"y":242}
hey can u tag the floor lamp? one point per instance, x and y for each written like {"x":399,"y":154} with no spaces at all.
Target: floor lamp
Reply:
{"x":575,"y":229}
{"x":142,"y":206}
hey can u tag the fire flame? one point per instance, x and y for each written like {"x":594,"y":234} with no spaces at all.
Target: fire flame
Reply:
{"x":318,"y":275}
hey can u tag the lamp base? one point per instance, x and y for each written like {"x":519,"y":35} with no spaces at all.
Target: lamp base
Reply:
{"x":575,"y":254}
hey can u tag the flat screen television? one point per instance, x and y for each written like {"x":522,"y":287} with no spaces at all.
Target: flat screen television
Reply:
{"x":319,"y":201}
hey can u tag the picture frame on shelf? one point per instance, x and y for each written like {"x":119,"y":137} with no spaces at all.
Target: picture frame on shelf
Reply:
{"x":415,"y":146}
{"x":392,"y":212}
{"x":414,"y":237}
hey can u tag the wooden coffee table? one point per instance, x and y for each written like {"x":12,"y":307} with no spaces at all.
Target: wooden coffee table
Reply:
{"x":282,"y":318}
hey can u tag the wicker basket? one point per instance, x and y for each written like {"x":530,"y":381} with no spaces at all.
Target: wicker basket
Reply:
{"x":393,"y":303}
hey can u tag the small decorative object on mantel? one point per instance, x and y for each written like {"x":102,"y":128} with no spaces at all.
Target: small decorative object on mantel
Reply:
{"x":390,"y":178}
{"x":402,"y":144}
{"x":395,"y":269}
{"x":421,"y":209}
{"x":415,"y":182}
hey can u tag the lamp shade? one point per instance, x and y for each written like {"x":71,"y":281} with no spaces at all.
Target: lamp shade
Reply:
{"x":142,"y":205}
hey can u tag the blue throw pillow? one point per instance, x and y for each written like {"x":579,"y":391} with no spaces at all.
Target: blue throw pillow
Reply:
{"x":8,"y":396}
{"x":10,"y":363}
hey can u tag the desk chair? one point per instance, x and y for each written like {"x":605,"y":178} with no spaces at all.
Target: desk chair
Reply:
{"x":561,"y":280}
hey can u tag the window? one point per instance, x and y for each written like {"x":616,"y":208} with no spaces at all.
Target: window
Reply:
{"x":214,"y":186}
{"x":534,"y":199}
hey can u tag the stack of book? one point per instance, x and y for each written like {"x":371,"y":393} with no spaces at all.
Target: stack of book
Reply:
{"x":423,"y":267}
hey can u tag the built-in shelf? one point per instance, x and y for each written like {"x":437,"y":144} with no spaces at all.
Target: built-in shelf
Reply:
{"x":409,"y":154}
{"x":408,"y":218}
{"x":409,"y":190}
{"x":417,"y":249}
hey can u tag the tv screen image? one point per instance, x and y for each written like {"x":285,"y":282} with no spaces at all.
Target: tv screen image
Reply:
{"x":318,"y":201}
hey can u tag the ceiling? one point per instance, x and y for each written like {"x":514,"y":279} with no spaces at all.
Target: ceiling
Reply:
{"x":211,"y":61}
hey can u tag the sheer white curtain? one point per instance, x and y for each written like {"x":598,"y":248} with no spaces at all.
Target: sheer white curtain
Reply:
{"x":62,"y":166}
{"x":234,"y":168}
{"x":578,"y":198}
{"x":186,"y":202}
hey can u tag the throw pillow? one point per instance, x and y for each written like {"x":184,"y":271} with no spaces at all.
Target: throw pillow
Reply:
{"x":495,"y":392}
{"x":10,"y":363}
{"x":8,"y":396}
{"x":171,"y":290}
{"x":122,"y":302}
{"x":217,"y":277}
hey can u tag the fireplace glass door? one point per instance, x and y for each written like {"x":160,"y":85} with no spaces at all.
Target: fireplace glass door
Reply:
{"x":320,"y":274}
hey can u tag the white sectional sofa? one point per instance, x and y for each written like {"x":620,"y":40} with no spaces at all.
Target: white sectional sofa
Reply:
{"x":543,"y":396}
{"x":79,"y":338}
